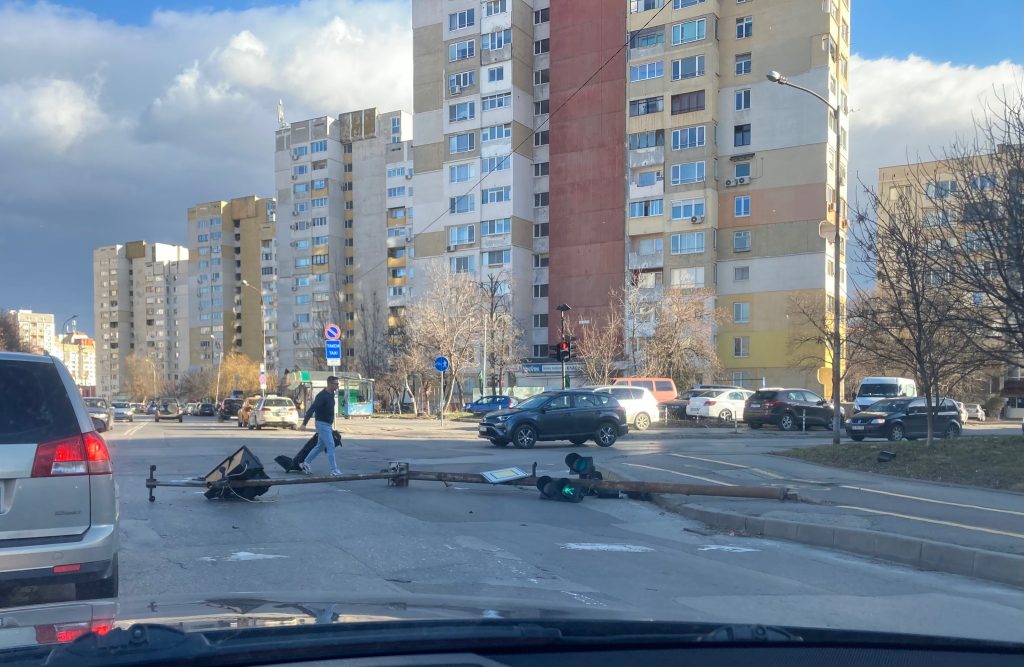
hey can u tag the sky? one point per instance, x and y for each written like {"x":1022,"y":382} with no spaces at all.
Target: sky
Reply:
{"x":118,"y":116}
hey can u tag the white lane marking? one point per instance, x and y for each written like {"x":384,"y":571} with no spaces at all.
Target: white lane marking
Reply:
{"x":240,"y":556}
{"x":932,"y":500}
{"x":953,"y":524}
{"x":597,"y":546}
{"x":734,"y":465}
{"x":682,"y":474}
{"x":584,"y":599}
{"x":724,"y":547}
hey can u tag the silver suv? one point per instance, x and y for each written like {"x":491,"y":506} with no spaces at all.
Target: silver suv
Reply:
{"x":58,"y":512}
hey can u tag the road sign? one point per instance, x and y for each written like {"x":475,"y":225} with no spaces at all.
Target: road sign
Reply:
{"x":263,"y":381}
{"x":441,"y":364}
{"x":332,"y":350}
{"x":332,"y":332}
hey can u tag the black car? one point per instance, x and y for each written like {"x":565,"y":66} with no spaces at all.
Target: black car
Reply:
{"x":229,"y":408}
{"x":898,"y":418}
{"x":576,"y":416}
{"x":206,"y":410}
{"x":789,"y":409}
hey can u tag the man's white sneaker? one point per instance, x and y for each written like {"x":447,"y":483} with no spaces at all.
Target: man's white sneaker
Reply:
{"x":336,"y":473}
{"x":305,"y":468}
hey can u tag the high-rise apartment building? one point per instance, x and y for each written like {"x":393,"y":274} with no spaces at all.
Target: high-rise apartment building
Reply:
{"x":232,"y":280}
{"x":344,"y":189}
{"x":37,"y":331}
{"x":140,"y":304}
{"x":78,"y":352}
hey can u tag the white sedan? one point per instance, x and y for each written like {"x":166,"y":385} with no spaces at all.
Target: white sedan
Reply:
{"x":722,"y":404}
{"x":640,"y":404}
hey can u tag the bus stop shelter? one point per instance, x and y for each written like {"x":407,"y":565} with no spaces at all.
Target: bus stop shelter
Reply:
{"x":355,"y":394}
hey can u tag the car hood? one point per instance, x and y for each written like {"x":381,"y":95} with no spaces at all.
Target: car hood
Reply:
{"x":502,"y":412}
{"x":865,"y":416}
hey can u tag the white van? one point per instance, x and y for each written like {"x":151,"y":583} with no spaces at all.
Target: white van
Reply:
{"x":872,"y":390}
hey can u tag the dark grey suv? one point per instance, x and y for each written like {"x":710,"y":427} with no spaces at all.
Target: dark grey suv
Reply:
{"x":576,"y":416}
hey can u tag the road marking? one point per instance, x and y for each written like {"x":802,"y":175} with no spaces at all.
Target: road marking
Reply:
{"x":596,"y":546}
{"x":734,"y":465}
{"x":132,"y":431}
{"x":931,"y":500}
{"x":725,"y":547}
{"x":953,"y":524}
{"x":681,"y":474}
{"x":240,"y":556}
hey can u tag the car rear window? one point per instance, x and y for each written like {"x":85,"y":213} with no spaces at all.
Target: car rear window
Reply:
{"x":95,"y":402}
{"x":646,"y":384}
{"x":664,"y":385}
{"x":34,"y":405}
{"x":278,"y":402}
{"x":763,"y":395}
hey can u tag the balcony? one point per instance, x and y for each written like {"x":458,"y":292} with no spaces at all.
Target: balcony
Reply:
{"x":495,"y":241}
{"x":646,"y":157}
{"x":397,"y":241}
{"x":647,"y":191}
{"x":488,"y":56}
{"x":541,"y":244}
{"x":646,"y":260}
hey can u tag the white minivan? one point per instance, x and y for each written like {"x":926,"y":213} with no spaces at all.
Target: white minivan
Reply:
{"x":874,"y":389}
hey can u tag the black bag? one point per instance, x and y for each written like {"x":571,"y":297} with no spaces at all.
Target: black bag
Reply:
{"x":292,"y":464}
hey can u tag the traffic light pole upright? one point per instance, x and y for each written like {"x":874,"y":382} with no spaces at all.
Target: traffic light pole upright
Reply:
{"x":562,"y":310}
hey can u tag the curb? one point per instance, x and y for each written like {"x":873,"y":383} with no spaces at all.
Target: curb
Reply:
{"x":917,"y":552}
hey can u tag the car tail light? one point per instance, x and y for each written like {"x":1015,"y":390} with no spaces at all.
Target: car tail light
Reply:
{"x":770,"y":404}
{"x":709,"y":403}
{"x":69,"y":632}
{"x":78,"y":455}
{"x":264,"y":409}
{"x":64,"y":569}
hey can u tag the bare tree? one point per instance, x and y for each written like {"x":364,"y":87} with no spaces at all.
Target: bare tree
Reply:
{"x":811,"y":338}
{"x":682,"y":345}
{"x":238,"y":371}
{"x":141,"y":379}
{"x":504,"y":335}
{"x":10,"y":336}
{"x":372,"y":344}
{"x":638,"y":306}
{"x":598,"y":347}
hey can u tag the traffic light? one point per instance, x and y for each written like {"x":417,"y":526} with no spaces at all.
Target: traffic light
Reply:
{"x":553,"y":351}
{"x":559,"y":489}
{"x":563,"y":351}
{"x":582,"y":466}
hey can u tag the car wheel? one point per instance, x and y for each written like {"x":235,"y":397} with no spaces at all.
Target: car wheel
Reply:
{"x":607,"y":434}
{"x":725,"y":416}
{"x":525,"y":437}
{"x":259,"y":427}
{"x":498,"y":443}
{"x":180,"y":419}
{"x":251,"y":427}
{"x":95,"y":590}
{"x":642,"y":421}
{"x":952,"y":431}
{"x":896,"y":432}
{"x":787,"y":422}
{"x":754,"y":425}
{"x":156,"y":419}
{"x":857,"y":438}
{"x":578,"y":441}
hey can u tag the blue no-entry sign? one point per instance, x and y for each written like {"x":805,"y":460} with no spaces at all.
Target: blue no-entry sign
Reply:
{"x":332,"y":332}
{"x":332,"y":350}
{"x":441,"y":364}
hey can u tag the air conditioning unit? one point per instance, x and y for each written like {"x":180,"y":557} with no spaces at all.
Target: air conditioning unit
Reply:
{"x":294,"y":156}
{"x":295,"y":325}
{"x":729,"y":183}
{"x":295,"y":214}
{"x":454,"y":89}
{"x":452,"y":248}
{"x":295,"y":288}
{"x":660,"y":176}
{"x":295,"y":177}
{"x":408,"y":177}
{"x":742,"y":180}
{"x":697,"y":219}
{"x":294,"y":227}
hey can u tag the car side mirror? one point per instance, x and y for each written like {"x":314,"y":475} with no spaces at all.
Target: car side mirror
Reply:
{"x":822,"y":402}
{"x":99,"y":425}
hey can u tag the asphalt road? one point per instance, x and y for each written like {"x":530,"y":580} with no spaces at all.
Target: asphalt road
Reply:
{"x":492,"y":542}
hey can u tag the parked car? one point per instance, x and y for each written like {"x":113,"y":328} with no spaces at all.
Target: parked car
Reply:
{"x":169,"y":408}
{"x":573,"y":415}
{"x":485,"y":404}
{"x":664,"y":389}
{"x":677,"y":406}
{"x":229,"y":408}
{"x":898,"y":418}
{"x":640,"y":404}
{"x":789,"y":409}
{"x":205,"y":410}
{"x":190,"y":408}
{"x":123,"y":411}
{"x":723,"y":404}
{"x":99,"y":409}
{"x":151,"y":410}
{"x":975,"y":411}
{"x":873,"y":389}
{"x":60,"y":521}
{"x":962,"y":411}
{"x":245,"y":409}
{"x":273,"y":410}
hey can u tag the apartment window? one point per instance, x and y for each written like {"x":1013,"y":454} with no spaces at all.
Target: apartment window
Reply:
{"x":496,"y":132}
{"x":647,"y":71}
{"x":301,"y":262}
{"x":495,"y":74}
{"x":318,"y":146}
{"x":495,"y":195}
{"x":498,"y":101}
{"x":319,"y":202}
{"x":541,"y":168}
{"x":744,"y":27}
{"x":461,"y":235}
{"x":301,"y":207}
{"x":301,"y":244}
{"x":541,"y":46}
{"x":461,"y":50}
{"x":461,"y":264}
{"x":540,"y":261}
{"x":460,"y":20}
{"x":687,"y":68}
{"x":830,"y":266}
{"x":646,"y":208}
{"x":689,"y":31}
{"x":498,"y":163}
{"x":496,"y":227}
{"x":647,"y":178}
{"x":741,"y":241}
{"x":203,"y":238}
{"x":743,"y":64}
{"x":541,"y":16}
{"x":741,"y":170}
{"x":319,"y":240}
{"x":497,"y":257}
{"x":396,"y":192}
{"x":688,"y":172}
{"x":743,"y":99}
{"x":299,"y":151}
{"x":646,"y":106}
{"x":688,"y":102}
{"x":462,"y":143}
{"x":741,"y":206}
{"x":741,"y":312}
{"x":320,"y":183}
{"x":297,"y":170}
{"x":741,"y":135}
{"x":741,"y":273}
{"x":540,"y":351}
{"x":319,"y":260}
{"x":461,"y":204}
{"x":540,"y":291}
{"x":541,"y":107}
{"x":495,"y":40}
{"x":642,"y":40}
{"x":741,"y":346}
{"x":493,"y":7}
{"x":460,"y":173}
{"x":457,"y":82}
{"x":844,"y":31}
{"x":541,"y":138}
{"x":302,"y":299}
{"x":844,"y":66}
{"x":688,"y":243}
{"x":647,"y":139}
{"x":541,"y":76}
{"x":684,"y":209}
{"x":540,"y":230}
{"x":683,"y":4}
{"x":302,"y":318}
{"x":318,"y":222}
{"x":461,"y":111}
{"x":637,"y":6}
{"x":688,"y":278}
{"x":204,"y":250}
{"x":540,"y":199}
{"x":688,"y":137}
{"x":540,"y":321}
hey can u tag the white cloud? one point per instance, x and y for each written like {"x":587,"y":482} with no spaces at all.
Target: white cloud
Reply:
{"x":52,"y":112}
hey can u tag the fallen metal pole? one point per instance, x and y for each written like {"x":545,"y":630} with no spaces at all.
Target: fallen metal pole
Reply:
{"x":301,"y":480}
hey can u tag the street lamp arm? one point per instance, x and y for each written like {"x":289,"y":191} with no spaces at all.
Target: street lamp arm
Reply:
{"x":810,"y":92}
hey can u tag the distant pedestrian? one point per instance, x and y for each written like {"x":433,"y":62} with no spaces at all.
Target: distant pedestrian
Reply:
{"x":322,"y":411}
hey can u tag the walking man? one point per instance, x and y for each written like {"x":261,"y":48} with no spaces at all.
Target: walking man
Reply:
{"x":322,"y":411}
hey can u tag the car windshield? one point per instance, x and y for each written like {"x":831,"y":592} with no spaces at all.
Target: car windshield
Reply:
{"x":120,"y":405}
{"x":873,"y":390}
{"x":889,"y":406}
{"x":534,"y":402}
{"x":95,"y":403}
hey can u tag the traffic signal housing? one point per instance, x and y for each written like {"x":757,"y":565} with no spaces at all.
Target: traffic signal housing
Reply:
{"x":560,"y":489}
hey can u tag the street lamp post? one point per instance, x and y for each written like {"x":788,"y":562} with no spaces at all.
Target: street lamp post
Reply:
{"x":263,"y":324}
{"x":64,"y":327}
{"x":220,"y":360}
{"x":778,"y":78}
